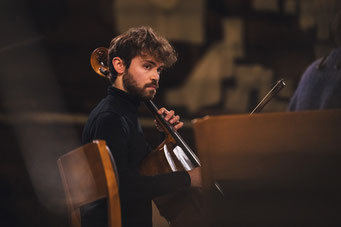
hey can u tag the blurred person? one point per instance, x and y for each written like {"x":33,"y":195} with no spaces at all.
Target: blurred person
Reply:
{"x":320,"y":85}
{"x":136,"y":59}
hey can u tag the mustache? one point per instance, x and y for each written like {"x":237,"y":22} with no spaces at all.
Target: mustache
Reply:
{"x":152,"y":84}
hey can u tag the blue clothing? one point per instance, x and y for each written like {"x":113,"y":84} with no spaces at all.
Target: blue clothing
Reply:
{"x":319,"y":87}
{"x":115,"y":120}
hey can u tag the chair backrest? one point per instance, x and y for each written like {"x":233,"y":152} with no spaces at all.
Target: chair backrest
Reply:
{"x":88,"y":174}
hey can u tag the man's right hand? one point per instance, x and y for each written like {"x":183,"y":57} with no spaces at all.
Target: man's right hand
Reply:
{"x":195,"y":175}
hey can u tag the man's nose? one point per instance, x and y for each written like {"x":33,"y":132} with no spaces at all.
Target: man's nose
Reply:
{"x":155,"y":75}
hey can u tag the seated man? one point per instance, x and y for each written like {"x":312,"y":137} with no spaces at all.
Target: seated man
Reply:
{"x":136,"y":60}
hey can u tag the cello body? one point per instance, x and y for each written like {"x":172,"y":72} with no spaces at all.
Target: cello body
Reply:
{"x":183,"y":208}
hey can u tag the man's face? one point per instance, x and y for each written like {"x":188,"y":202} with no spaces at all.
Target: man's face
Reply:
{"x":142,"y":77}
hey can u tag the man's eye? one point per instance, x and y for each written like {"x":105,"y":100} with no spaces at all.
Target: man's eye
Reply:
{"x":160,"y":70}
{"x":147,"y":66}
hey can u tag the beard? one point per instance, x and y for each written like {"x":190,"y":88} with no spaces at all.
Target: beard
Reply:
{"x":132,"y":88}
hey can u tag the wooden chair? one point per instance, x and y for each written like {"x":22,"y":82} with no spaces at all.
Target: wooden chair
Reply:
{"x":89,"y":174}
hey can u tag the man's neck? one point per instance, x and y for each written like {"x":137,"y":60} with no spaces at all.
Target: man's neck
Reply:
{"x":119,"y":84}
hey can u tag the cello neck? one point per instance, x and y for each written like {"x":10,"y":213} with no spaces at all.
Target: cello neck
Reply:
{"x":173,"y":133}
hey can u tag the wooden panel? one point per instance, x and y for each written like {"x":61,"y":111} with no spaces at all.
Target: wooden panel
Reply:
{"x":276,"y":169}
{"x":248,"y":138}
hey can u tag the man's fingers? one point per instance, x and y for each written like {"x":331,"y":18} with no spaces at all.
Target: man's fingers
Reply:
{"x":162,"y":111}
{"x":179,"y":125}
{"x":170,"y":116}
{"x":167,"y":114}
{"x":175,"y":119}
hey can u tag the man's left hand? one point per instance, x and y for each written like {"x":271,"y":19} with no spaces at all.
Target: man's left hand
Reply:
{"x":169,"y":116}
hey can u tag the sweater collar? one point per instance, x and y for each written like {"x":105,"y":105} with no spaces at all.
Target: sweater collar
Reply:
{"x":132,"y":101}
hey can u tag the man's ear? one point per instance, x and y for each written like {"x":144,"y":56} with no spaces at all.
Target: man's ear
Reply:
{"x":119,"y":65}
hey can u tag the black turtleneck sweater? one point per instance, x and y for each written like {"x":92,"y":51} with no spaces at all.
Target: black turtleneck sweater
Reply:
{"x":115,"y":120}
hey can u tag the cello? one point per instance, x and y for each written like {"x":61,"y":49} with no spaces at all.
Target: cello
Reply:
{"x":181,"y":208}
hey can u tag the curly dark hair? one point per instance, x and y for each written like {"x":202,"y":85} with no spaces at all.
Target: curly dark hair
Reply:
{"x":139,"y":41}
